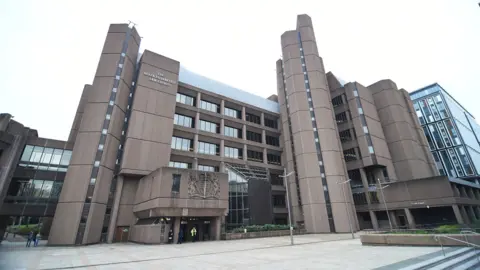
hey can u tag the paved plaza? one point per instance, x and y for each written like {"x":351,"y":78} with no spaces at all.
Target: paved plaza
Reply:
{"x":322,"y":251}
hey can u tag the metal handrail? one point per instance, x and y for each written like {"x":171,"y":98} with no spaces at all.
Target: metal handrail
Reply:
{"x":436,"y":237}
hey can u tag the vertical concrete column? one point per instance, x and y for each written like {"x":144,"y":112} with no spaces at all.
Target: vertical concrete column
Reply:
{"x":477,"y":194}
{"x":116,"y":203}
{"x":222,"y":167}
{"x":464,"y":214}
{"x":470,"y":193}
{"x":222,"y":106}
{"x":458,"y":214}
{"x":244,"y":132}
{"x":264,"y":136}
{"x":463,"y":192}
{"x":456,"y":192}
{"x":363,"y":175}
{"x":197,"y":120}
{"x":199,"y":99}
{"x":222,"y":148}
{"x":217,"y":225}
{"x":374,"y":219}
{"x":393,"y":218}
{"x":265,"y":160}
{"x":410,"y":219}
{"x":176,"y":229}
{"x":245,"y":152}
{"x":195,"y":164}
{"x":262,"y":119}
{"x":244,"y":117}
{"x":472,"y":215}
{"x":195,"y":143}
{"x":222,"y":126}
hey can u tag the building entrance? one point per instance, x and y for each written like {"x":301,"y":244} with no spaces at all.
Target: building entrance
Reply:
{"x":202,"y":231}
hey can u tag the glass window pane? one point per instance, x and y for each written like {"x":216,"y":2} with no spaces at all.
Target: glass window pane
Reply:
{"x":57,"y":155}
{"x":46,"y":189}
{"x":433,"y":108}
{"x":47,"y":155}
{"x":67,"y":155}
{"x":426,"y":110}
{"x":441,"y":106}
{"x":419,"y":113}
{"x":438,"y":163}
{"x":448,"y":164}
{"x":37,"y":154}
{"x":464,"y":161}
{"x":56,"y":188}
{"x":452,"y":132}
{"x":436,"y":135}
{"x":37,"y":186}
{"x":27,"y":152}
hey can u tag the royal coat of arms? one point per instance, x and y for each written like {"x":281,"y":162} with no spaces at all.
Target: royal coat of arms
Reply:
{"x":203,"y":185}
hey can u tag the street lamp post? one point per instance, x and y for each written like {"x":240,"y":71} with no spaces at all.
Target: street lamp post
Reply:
{"x":284,"y":176}
{"x":346,"y":207}
{"x":385,"y":202}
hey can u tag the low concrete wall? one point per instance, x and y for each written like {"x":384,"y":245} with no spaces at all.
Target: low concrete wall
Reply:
{"x":149,"y":234}
{"x":418,"y":239}
{"x":234,"y":236}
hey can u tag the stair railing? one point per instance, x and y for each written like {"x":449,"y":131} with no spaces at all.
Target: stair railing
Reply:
{"x":439,"y":237}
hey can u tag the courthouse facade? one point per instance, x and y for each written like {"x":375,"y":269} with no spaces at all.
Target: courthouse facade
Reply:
{"x":157,"y":150}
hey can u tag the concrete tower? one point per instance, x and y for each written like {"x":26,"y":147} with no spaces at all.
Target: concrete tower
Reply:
{"x":312,"y":145}
{"x":83,"y":210}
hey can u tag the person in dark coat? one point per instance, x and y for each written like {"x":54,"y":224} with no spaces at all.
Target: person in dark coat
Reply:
{"x":29,"y":238}
{"x":180,"y":236}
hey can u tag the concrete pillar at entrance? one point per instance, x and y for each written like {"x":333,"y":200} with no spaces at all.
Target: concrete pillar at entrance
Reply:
{"x":116,"y":203}
{"x":217,"y":225}
{"x":465,"y":215}
{"x":410,"y":219}
{"x":471,"y":213}
{"x":363,"y":175}
{"x":393,"y":218}
{"x":373,"y":217}
{"x":176,"y":229}
{"x":458,"y":214}
{"x":456,"y":191}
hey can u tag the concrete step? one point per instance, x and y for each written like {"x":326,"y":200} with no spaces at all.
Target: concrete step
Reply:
{"x":457,"y":262}
{"x":430,"y":263}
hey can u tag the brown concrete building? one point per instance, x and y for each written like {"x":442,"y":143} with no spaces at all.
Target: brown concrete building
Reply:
{"x":159,"y":150}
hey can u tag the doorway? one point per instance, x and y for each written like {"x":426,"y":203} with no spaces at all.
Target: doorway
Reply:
{"x":201,"y":225}
{"x":121,"y":234}
{"x":402,"y":221}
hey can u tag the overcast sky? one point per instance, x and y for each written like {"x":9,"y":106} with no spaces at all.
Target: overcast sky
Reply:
{"x":50,"y":49}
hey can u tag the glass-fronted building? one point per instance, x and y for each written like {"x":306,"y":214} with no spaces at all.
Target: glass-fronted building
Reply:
{"x":451,"y":131}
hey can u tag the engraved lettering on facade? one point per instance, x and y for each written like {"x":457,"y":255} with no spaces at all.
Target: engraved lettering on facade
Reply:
{"x":159,"y":78}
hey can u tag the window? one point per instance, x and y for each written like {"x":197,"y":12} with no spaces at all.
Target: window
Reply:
{"x":181,"y":98}
{"x":438,"y":163}
{"x":254,"y":156}
{"x":207,"y":168}
{"x":436,"y":136}
{"x":209,"y":126}
{"x":371,"y":150}
{"x":426,"y":110}
{"x":231,"y":112}
{"x":67,"y":155}
{"x":231,"y":132}
{"x":27,"y":152}
{"x":271,"y":123}
{"x":253,"y":118}
{"x":419,"y":113}
{"x":57,"y":155}
{"x":253,"y":136}
{"x":444,"y":134}
{"x":270,"y":140}
{"x":453,"y":132}
{"x":176,"y":182}
{"x":429,"y":138}
{"x":434,"y":109}
{"x":350,"y":155}
{"x":448,"y":164}
{"x":181,"y":144}
{"x":441,"y":106}
{"x":341,"y":117}
{"x":209,"y":106}
{"x":456,"y":162}
{"x":183,"y":120}
{"x":274,"y":159}
{"x":207,"y":148}
{"x":278,"y":201}
{"x":37,"y":154}
{"x":464,"y":161}
{"x":181,"y":165}
{"x":232,"y":152}
{"x":336,"y":101}
{"x":345,"y":136}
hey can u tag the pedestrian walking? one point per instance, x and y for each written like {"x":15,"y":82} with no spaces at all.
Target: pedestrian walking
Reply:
{"x":29,"y":238}
{"x":37,"y":239}
{"x":34,"y":238}
{"x":180,"y":237}
{"x":194,"y":233}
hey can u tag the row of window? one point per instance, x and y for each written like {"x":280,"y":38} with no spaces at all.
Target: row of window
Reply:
{"x":232,"y":132}
{"x":430,"y":109}
{"x":182,"y":120}
{"x":350,"y":155}
{"x":45,"y":158}
{"x":36,"y":188}
{"x":338,"y":100}
{"x":212,"y":107}
{"x":453,"y":162}
{"x":441,"y":135}
{"x":233,"y":152}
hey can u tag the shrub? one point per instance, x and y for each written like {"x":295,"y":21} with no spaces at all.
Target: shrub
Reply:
{"x":448,"y":229}
{"x":261,"y":228}
{"x":23,"y":229}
